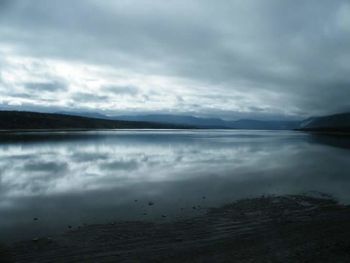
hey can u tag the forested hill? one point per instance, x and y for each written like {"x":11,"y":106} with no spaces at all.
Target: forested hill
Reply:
{"x":332,"y":123}
{"x":20,"y":120}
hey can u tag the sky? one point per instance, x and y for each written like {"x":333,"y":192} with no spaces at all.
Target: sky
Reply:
{"x":226,"y":58}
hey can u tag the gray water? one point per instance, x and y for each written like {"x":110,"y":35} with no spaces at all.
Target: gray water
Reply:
{"x":75,"y":178}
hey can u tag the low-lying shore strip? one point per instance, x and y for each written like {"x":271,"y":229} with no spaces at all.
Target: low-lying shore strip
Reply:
{"x":327,"y":131}
{"x":267,"y":229}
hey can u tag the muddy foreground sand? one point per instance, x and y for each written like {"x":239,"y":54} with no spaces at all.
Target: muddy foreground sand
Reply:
{"x":266,"y":229}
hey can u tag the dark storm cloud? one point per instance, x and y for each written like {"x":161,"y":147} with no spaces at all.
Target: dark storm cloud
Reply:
{"x":88,"y":97}
{"x":121,"y":90}
{"x":4,"y":4}
{"x":25,"y":95}
{"x":45,"y":87}
{"x":280,"y":56}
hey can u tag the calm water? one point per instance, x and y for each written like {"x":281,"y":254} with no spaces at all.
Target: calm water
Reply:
{"x":71,"y":179}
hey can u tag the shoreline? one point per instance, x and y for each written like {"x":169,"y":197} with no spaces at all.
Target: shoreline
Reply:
{"x":266,"y":229}
{"x":335,"y":133}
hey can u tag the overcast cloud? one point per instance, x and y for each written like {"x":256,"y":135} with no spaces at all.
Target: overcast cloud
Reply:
{"x":228,"y":58}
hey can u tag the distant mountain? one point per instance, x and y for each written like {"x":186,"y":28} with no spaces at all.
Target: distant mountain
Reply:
{"x":197,"y":122}
{"x":94,"y":115}
{"x":332,"y":123}
{"x":212,"y":123}
{"x":19,"y":120}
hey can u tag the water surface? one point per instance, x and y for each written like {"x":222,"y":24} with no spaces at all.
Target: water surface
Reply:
{"x":52,"y":181}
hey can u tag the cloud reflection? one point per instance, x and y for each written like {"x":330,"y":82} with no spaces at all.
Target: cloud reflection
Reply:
{"x":101,"y":177}
{"x":121,"y":160}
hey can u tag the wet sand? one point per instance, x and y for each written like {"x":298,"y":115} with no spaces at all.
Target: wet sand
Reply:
{"x":266,"y":229}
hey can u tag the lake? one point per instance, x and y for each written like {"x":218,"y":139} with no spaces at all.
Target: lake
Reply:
{"x":53,"y":181}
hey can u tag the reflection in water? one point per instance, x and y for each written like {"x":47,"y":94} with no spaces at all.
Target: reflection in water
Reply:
{"x":87,"y":177}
